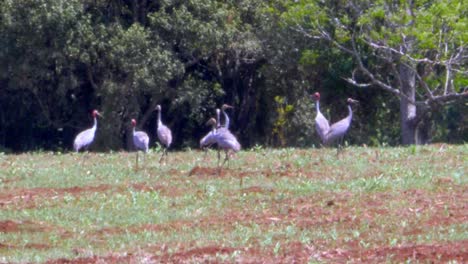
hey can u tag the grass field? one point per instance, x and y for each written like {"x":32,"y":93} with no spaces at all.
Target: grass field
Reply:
{"x":269,"y":205}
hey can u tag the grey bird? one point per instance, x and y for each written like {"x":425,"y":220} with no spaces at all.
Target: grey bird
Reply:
{"x":322,"y":126}
{"x":140,"y":140}
{"x":164,"y":134}
{"x":339,"y":129}
{"x":86,"y":137}
{"x":225,"y":140}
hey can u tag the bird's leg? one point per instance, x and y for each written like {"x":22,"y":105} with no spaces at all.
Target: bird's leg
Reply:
{"x":81,"y":158}
{"x":340,"y":146}
{"x":160,"y":158}
{"x":136,"y":161}
{"x":219,"y":156}
{"x":226,"y":158}
{"x":205,"y":150}
{"x":167,"y":155}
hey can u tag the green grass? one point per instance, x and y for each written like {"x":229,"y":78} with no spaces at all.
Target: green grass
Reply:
{"x":293,"y":204}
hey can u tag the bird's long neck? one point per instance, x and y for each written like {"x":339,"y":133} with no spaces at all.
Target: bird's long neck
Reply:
{"x":350,"y":113}
{"x":133,"y":130}
{"x":159,"y":118}
{"x":218,"y":123}
{"x":95,"y":124}
{"x":226,"y":117}
{"x":317,"y":106}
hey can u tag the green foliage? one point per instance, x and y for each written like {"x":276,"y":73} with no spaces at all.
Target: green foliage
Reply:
{"x":283,"y":111}
{"x":426,"y":36}
{"x":60,"y":59}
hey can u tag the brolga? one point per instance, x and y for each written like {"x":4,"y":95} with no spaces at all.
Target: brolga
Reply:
{"x":225,"y":140}
{"x":321,"y":123}
{"x":164,"y":134}
{"x":140,"y":140}
{"x":338,"y":130}
{"x":86,"y":137}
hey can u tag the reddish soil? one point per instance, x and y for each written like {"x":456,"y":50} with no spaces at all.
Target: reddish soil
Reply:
{"x":30,"y":198}
{"x":26,"y":198}
{"x":436,"y":253}
{"x":343,"y":211}
{"x":9,"y":226}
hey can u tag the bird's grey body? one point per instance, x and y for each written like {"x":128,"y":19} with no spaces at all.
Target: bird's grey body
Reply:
{"x":225,"y":139}
{"x":86,"y":137}
{"x":339,"y":129}
{"x":322,"y":125}
{"x":209,"y":139}
{"x":164,"y":133}
{"x":140,"y":140}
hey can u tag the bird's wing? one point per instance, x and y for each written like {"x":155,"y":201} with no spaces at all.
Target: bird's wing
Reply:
{"x":321,"y":121}
{"x":321,"y":125}
{"x":227,"y":140}
{"x":142,"y":137}
{"x":337,"y":129}
{"x":165,"y":135}
{"x":209,"y":139}
{"x":141,"y":140}
{"x":84,"y":138}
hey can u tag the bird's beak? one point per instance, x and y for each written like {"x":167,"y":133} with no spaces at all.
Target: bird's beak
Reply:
{"x":354,"y":101}
{"x":100,"y":115}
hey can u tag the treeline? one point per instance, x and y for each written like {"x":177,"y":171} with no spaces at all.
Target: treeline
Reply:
{"x":60,"y":59}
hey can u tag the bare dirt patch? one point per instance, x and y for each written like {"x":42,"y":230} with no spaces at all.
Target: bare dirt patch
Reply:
{"x":428,"y":253}
{"x":31,"y":198}
{"x":26,"y":198}
{"x":9,"y":226}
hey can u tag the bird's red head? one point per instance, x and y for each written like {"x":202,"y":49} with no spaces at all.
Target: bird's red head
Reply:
{"x":352,"y":101}
{"x":226,"y":106}
{"x":133,"y":122}
{"x":96,"y":113}
{"x":316,"y":96}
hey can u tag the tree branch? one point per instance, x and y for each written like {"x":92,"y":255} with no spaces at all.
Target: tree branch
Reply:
{"x":455,"y":59}
{"x":448,"y":98}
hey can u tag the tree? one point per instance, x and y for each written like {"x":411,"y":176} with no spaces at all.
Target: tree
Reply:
{"x":415,"y":50}
{"x":218,"y":43}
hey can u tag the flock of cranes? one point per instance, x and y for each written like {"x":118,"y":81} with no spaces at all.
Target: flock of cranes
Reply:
{"x":220,"y":133}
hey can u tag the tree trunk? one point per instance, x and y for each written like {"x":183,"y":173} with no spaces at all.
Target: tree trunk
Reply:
{"x":408,"y":111}
{"x":423,"y":131}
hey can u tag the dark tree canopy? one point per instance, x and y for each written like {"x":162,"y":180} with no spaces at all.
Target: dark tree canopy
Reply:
{"x":59,"y":59}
